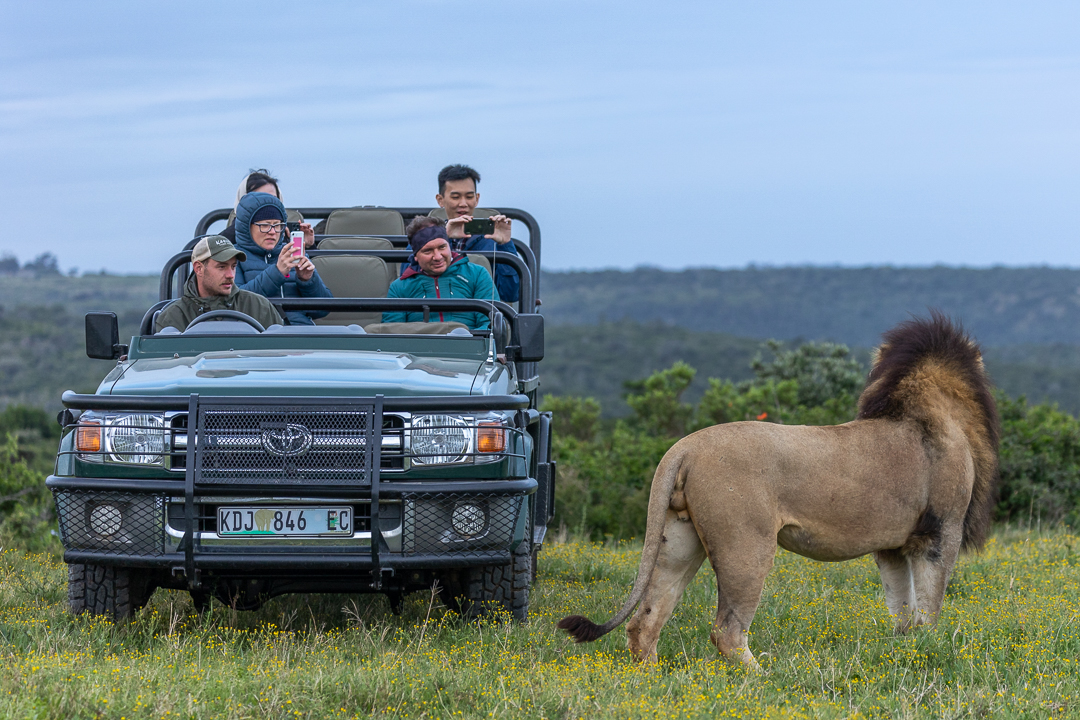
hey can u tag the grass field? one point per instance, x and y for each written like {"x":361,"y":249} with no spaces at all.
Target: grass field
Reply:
{"x":1007,"y":646}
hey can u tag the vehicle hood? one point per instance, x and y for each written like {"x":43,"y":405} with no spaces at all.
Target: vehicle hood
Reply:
{"x":302,"y":372}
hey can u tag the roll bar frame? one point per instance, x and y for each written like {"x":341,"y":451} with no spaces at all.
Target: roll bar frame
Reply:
{"x":407,"y":213}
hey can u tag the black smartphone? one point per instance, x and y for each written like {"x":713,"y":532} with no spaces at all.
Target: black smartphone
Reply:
{"x":293,"y":227}
{"x":480,"y":226}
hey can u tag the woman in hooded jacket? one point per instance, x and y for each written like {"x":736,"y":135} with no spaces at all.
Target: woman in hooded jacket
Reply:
{"x":263,"y":181}
{"x":271,"y":268}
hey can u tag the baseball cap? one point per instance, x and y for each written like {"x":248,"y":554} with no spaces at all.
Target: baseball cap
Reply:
{"x":217,"y":247}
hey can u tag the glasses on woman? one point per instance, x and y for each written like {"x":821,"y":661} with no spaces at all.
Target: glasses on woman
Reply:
{"x":270,"y":227}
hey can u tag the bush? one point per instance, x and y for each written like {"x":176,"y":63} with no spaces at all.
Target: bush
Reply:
{"x":26,"y":509}
{"x":605,"y":474}
{"x":1040,"y":464}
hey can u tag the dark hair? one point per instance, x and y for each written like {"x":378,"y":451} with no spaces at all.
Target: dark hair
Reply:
{"x":420,"y":222}
{"x":261,"y":177}
{"x":457,"y":172}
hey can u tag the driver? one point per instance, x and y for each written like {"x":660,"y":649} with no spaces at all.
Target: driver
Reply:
{"x":212,"y":286}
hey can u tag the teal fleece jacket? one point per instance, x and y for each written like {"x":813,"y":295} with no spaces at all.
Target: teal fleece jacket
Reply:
{"x":462,"y":280}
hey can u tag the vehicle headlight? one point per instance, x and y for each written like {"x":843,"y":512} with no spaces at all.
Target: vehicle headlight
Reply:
{"x":136,"y":439}
{"x":439,"y":439}
{"x":128,"y":439}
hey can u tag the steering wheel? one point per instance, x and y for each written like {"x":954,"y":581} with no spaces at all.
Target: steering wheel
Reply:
{"x":229,"y":314}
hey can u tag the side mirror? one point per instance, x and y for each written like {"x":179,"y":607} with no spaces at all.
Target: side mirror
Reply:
{"x":530,"y":337}
{"x":103,"y":336}
{"x":501,"y":330}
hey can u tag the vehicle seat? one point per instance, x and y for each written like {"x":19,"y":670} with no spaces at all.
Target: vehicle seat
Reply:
{"x":417,"y":328}
{"x":362,"y":243}
{"x":481,"y":260}
{"x":364,"y":221}
{"x":477,"y":213}
{"x":353,"y":276}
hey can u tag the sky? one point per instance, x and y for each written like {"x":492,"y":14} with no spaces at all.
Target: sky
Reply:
{"x":668,"y":134}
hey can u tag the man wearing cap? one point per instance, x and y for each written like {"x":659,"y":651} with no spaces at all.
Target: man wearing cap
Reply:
{"x":212,"y":286}
{"x":438,"y":272}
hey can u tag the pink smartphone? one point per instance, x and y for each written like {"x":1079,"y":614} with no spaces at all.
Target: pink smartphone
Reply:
{"x":297,"y":238}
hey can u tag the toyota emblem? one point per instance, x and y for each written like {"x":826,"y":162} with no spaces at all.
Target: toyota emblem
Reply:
{"x":285,"y":439}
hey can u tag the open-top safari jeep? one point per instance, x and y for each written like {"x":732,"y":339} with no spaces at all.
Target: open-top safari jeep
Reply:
{"x":241,"y":462}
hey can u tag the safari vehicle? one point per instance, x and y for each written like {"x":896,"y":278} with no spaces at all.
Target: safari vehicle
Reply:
{"x":240,"y":463}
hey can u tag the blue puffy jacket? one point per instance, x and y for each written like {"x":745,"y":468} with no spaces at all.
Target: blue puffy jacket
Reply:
{"x":259,"y":273}
{"x":462,"y":280}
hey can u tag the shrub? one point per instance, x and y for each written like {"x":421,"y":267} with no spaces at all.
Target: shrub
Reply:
{"x":26,"y":509}
{"x":1040,"y":464}
{"x":605,"y":474}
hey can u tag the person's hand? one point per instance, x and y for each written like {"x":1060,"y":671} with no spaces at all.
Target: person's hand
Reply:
{"x":286,"y":261}
{"x":309,"y":234}
{"x":305,"y":269}
{"x":455,"y":227}
{"x":502,"y":229}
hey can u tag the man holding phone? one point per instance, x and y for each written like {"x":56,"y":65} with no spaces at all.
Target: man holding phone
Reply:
{"x":458,"y":198}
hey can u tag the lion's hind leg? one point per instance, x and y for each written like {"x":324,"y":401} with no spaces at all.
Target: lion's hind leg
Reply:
{"x":931,"y":570}
{"x":915,"y":575}
{"x":681,"y":554}
{"x":741,"y":568}
{"x":899,"y":586}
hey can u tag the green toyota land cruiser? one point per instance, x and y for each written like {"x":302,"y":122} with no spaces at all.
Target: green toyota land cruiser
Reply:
{"x":241,"y":462}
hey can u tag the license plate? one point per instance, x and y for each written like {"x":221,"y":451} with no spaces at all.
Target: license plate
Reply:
{"x":291,"y":520}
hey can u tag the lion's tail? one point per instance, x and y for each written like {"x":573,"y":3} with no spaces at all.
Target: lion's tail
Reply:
{"x":581,"y":628}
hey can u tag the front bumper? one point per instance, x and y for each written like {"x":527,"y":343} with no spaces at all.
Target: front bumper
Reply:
{"x":414,"y":527}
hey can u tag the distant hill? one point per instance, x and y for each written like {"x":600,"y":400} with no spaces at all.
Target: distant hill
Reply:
{"x":1000,"y":306}
{"x":1027,"y":320}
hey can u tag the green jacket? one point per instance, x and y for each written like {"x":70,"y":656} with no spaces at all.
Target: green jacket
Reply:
{"x":182,"y":311}
{"x":462,"y":280}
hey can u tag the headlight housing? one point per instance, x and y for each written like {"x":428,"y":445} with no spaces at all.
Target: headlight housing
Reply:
{"x":446,"y":439}
{"x":124,"y":439}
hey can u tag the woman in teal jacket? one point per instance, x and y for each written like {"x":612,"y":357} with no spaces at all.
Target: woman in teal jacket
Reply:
{"x":439,"y":273}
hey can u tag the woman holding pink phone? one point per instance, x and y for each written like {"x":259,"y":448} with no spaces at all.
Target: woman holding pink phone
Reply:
{"x":276,"y":264}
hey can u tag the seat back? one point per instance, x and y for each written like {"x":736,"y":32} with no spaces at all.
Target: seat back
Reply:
{"x":353,"y":276}
{"x":477,"y":213}
{"x":393,"y":269}
{"x":364,"y":221}
{"x":418,"y":328}
{"x":479,"y":259}
{"x":355,"y":243}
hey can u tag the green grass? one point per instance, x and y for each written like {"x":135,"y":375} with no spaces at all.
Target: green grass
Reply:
{"x":1007,"y":646}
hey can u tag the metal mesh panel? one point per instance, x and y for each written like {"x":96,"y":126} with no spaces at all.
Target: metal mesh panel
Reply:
{"x":458,"y":522}
{"x":118,"y":522}
{"x":286,"y":444}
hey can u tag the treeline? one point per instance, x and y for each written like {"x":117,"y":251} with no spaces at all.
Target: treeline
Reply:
{"x":44,"y":265}
{"x":606,"y":467}
{"x":1000,"y":306}
{"x":598,"y":360}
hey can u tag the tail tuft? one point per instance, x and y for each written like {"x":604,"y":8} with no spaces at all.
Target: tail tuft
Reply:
{"x":581,"y":628}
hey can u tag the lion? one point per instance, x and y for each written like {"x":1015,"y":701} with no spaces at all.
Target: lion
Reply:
{"x":913,"y":480}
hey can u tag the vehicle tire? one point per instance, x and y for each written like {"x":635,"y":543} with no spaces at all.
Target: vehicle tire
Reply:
{"x":117,"y":593}
{"x":490,"y":588}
